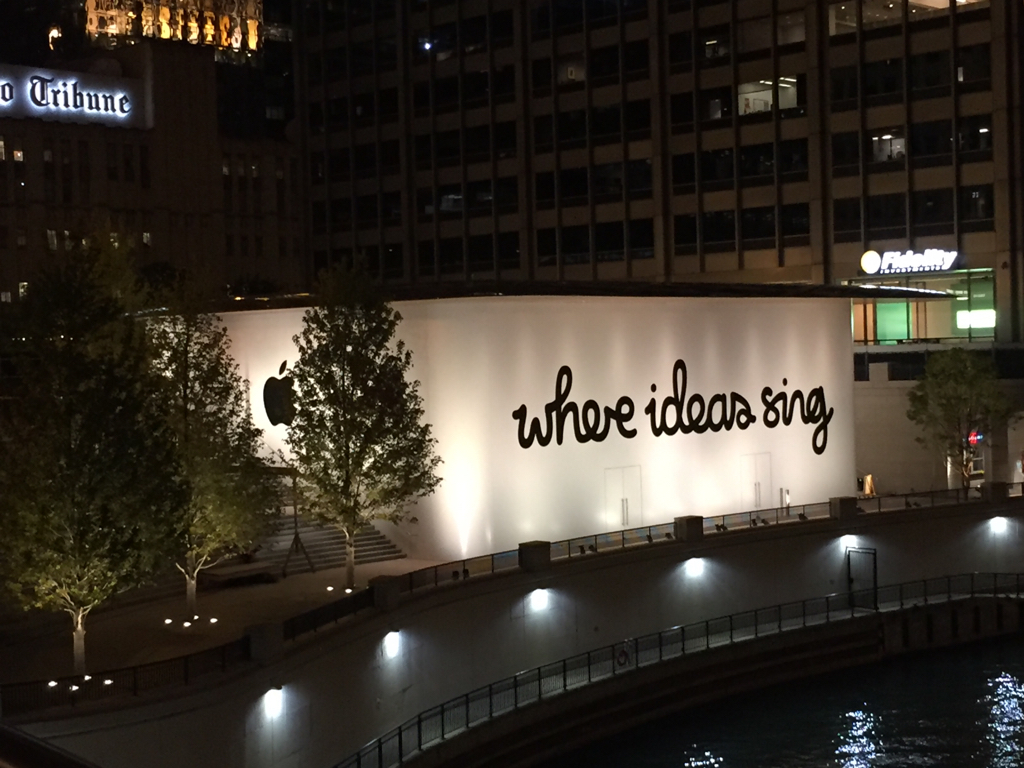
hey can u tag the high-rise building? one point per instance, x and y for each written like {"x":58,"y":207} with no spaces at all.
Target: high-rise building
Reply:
{"x":761,"y":141}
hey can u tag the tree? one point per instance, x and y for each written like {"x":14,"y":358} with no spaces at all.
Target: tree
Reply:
{"x":89,"y":485}
{"x":958,"y":395}
{"x":359,"y":443}
{"x":232,"y":498}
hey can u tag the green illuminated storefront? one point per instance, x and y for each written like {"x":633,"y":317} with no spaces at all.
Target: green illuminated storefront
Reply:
{"x":960,"y":303}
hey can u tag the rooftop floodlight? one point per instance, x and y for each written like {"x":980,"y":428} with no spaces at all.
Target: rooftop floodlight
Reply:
{"x":848,"y":540}
{"x":998,"y":525}
{"x":694,"y":567}
{"x":392,"y":644}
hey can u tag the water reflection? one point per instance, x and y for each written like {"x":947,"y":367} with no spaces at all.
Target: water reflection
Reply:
{"x":707,"y":760}
{"x":1006,"y":720}
{"x":858,"y":743}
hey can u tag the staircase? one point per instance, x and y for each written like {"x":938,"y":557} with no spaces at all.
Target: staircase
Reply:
{"x":325,"y":546}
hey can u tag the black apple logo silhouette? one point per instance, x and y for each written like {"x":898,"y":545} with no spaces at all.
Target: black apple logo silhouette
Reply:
{"x":277,"y":398}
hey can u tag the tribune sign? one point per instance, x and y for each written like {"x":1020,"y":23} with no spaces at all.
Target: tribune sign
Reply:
{"x":71,"y":97}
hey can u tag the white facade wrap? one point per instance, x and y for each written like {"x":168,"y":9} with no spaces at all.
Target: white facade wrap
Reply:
{"x":747,"y":367}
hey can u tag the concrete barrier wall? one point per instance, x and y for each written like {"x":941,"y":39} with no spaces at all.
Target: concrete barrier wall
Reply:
{"x":342,"y":689}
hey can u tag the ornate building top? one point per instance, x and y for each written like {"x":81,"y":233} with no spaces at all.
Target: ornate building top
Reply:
{"x":229,"y":25}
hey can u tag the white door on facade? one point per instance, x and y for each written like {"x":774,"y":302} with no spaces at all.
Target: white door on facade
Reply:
{"x":756,"y":482}
{"x":623,"y":500}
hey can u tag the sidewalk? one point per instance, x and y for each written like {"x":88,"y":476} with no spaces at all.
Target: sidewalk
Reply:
{"x":138,"y":633}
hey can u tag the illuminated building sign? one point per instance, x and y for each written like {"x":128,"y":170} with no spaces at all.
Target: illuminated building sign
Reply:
{"x":75,"y":97}
{"x":901,"y":262}
{"x":559,"y":416}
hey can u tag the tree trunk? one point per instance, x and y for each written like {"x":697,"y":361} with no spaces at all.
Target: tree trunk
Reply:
{"x":78,"y":617}
{"x":190,"y":595}
{"x":350,"y":559}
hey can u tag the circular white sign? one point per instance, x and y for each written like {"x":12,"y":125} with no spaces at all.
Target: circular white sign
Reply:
{"x":871,"y":262}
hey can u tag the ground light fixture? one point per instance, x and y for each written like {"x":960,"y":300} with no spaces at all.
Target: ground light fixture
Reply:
{"x":392,"y":644}
{"x":694,"y":567}
{"x":348,"y":591}
{"x":330,"y":589}
{"x":539,"y":600}
{"x":273,"y":702}
{"x":186,"y":624}
{"x":213,"y":620}
{"x":997,"y":525}
{"x":168,"y":621}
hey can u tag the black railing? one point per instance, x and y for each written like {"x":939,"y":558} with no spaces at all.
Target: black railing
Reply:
{"x":432,"y":726}
{"x":318,"y":617}
{"x":21,"y":698}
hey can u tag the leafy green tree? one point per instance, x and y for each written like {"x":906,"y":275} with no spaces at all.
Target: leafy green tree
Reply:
{"x":359,"y":443}
{"x":958,"y":394}
{"x":89,"y":483}
{"x":233,"y":499}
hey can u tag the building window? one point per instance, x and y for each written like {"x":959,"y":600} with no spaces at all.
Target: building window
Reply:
{"x":846,"y":153}
{"x":977,"y":207}
{"x":684,"y":174}
{"x":638,"y":179}
{"x":51,"y":239}
{"x":932,"y":212}
{"x":716,"y":168}
{"x":882,"y":13}
{"x":609,"y":241}
{"x":547,"y":248}
{"x":842,"y":18}
{"x":929,"y":74}
{"x":975,"y":138}
{"x":843,"y":88}
{"x":883,"y":82}
{"x":757,"y":227}
{"x":754,"y":36}
{"x":887,"y":148}
{"x":713,"y":46}
{"x":575,"y":242}
{"x":680,"y":52}
{"x":796,"y":223}
{"x":685,"y":236}
{"x":716,"y":104}
{"x":846,"y":220}
{"x":480,"y":253}
{"x":450,"y":253}
{"x":425,"y":257}
{"x":3,"y":150}
{"x":757,"y":164}
{"x":112,"y":164}
{"x":931,"y":143}
{"x":793,"y":161}
{"x":508,"y":250}
{"x":754,"y":98}
{"x":974,"y":67}
{"x":791,"y":29}
{"x":719,"y":230}
{"x":641,"y":238}
{"x":887,"y":216}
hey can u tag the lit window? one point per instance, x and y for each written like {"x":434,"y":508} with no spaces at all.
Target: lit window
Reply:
{"x":51,"y":239}
{"x":19,"y":156}
{"x":47,"y":155}
{"x":226,"y":167}
{"x":147,"y":238}
{"x":114,"y":239}
{"x":3,"y":151}
{"x":22,"y":290}
{"x":5,"y":297}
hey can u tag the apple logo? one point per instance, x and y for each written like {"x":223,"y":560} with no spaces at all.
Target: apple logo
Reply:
{"x":277,"y":398}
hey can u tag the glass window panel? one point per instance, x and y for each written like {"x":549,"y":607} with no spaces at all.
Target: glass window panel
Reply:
{"x":791,"y":28}
{"x":886,"y":144}
{"x":882,"y":13}
{"x":754,"y":35}
{"x":754,"y":97}
{"x":842,"y":18}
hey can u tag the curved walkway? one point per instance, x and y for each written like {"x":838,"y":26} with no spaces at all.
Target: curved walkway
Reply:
{"x":439,"y":724}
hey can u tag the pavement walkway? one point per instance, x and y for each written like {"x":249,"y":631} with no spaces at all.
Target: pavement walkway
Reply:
{"x":39,"y":648}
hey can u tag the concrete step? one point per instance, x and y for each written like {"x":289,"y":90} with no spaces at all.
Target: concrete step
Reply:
{"x":325,"y":547}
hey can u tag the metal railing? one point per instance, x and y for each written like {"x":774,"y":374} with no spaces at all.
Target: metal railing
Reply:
{"x":437,"y":724}
{"x":21,"y":698}
{"x":331,"y":613}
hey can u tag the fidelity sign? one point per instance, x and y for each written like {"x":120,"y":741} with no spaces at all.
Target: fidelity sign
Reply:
{"x":70,"y":97}
{"x":897,"y":262}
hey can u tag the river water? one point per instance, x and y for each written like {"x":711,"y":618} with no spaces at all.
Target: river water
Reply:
{"x":961,"y":708}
